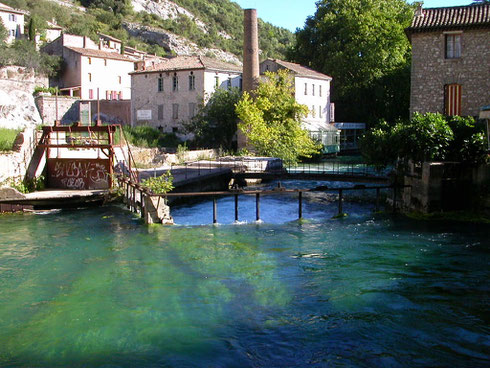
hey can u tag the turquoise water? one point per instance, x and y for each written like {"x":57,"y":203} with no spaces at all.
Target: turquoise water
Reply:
{"x":96,"y":288}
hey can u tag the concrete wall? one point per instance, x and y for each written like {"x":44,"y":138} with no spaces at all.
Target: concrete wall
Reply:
{"x":156,"y":156}
{"x":431,"y":71}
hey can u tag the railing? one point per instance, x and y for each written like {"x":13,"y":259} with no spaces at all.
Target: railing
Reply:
{"x":337,"y":168}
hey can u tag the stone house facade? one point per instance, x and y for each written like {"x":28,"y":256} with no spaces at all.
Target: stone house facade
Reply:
{"x":167,"y":94}
{"x":93,"y":68}
{"x":311,"y":89}
{"x":13,"y":21}
{"x":450,"y":60}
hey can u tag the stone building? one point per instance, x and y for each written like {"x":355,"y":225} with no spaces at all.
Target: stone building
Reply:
{"x":450,"y":59}
{"x":90,"y":67}
{"x":169,"y":93}
{"x":13,"y":21}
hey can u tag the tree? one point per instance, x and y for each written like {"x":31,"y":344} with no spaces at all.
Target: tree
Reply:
{"x":123,"y":7}
{"x":3,"y":33}
{"x":215,"y":124}
{"x":271,"y":119}
{"x":362,"y":45}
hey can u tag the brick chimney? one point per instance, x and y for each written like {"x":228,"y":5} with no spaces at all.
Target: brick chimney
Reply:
{"x":250,"y":61}
{"x":250,"y":50}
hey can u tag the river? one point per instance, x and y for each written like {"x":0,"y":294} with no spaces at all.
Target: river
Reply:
{"x":97,"y":288}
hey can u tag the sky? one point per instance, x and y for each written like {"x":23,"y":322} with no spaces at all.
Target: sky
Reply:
{"x":291,"y":14}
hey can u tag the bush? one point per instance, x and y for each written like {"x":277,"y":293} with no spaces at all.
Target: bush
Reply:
{"x":149,"y":137}
{"x":426,"y":137}
{"x":7,"y":138}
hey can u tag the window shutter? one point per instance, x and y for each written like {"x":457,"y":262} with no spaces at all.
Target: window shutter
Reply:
{"x":452,"y":97}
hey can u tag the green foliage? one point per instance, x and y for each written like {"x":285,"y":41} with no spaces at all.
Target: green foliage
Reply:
{"x":41,"y":89}
{"x":36,"y":25}
{"x":123,"y":7}
{"x":271,"y":120}
{"x":215,"y":124}
{"x":7,"y":138}
{"x":24,"y":53}
{"x":362,"y":45}
{"x":149,"y":137}
{"x":3,"y":33}
{"x":181,"y":151}
{"x":426,"y":137}
{"x":160,"y":184}
{"x":26,"y":186}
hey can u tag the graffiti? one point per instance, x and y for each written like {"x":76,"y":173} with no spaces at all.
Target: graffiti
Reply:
{"x":73,"y":183}
{"x":78,"y":174}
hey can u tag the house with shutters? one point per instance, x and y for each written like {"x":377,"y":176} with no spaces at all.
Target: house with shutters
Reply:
{"x":13,"y":21}
{"x":167,"y":94}
{"x":93,"y":69}
{"x":450,"y":59}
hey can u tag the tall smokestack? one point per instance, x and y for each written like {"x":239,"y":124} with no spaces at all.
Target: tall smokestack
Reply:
{"x":250,"y":50}
{"x":251,"y":70}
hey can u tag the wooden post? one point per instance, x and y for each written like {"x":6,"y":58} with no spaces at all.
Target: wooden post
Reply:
{"x":134,"y":199}
{"x":377,"y":199}
{"x":128,"y":202}
{"x":257,"y":206}
{"x":236,"y":207}
{"x":300,"y":205}
{"x":215,"y":211}
{"x":340,"y":202}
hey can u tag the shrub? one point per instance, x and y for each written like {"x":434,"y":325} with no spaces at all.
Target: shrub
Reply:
{"x":159,"y":184}
{"x":149,"y":137}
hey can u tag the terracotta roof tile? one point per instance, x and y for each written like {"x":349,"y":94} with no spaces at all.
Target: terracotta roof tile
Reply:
{"x":191,"y":62}
{"x":301,"y":71}
{"x":456,"y":17}
{"x":99,"y":54}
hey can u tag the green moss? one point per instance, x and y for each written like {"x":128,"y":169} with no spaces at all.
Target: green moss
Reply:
{"x":7,"y":138}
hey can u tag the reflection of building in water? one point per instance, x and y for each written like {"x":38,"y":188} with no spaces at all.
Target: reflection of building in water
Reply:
{"x":349,"y":135}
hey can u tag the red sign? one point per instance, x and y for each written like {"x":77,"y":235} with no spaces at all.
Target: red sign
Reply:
{"x":80,"y":174}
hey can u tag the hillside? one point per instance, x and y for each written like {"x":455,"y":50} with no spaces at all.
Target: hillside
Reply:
{"x":163,"y":27}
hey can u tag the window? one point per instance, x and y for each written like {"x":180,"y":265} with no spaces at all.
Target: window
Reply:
{"x":306,"y":89}
{"x":114,"y":95}
{"x":313,"y":89}
{"x":90,"y":77}
{"x":12,"y":17}
{"x":90,"y":61}
{"x":452,"y":99}
{"x":175,"y":111}
{"x":12,"y":32}
{"x":120,"y":79}
{"x":453,"y":46}
{"x":107,"y":95}
{"x":160,"y":112}
{"x":192,"y":110}
{"x":120,"y":95}
{"x":105,"y":62}
{"x":228,"y":83}
{"x":90,"y":94}
{"x":160,"y":84}
{"x":175,"y":83}
{"x":241,"y":84}
{"x":320,"y":90}
{"x":320,"y":111}
{"x":192,"y":82}
{"x":216,"y":81}
{"x":313,"y":111}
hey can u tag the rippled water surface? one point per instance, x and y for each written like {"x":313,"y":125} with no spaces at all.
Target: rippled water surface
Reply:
{"x":96,"y":288}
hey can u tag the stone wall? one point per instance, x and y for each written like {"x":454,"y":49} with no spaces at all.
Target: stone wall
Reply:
{"x":446,"y":186}
{"x":431,"y":71}
{"x":157,"y":156}
{"x":17,"y":107}
{"x":113,"y":112}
